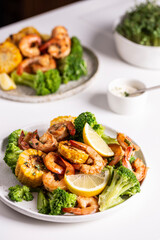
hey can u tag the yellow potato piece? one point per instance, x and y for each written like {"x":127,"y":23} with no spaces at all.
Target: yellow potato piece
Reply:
{"x":10,"y":57}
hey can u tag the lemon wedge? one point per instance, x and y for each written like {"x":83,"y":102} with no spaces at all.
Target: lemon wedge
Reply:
{"x":87,"y":185}
{"x":6,"y":82}
{"x":92,"y":139}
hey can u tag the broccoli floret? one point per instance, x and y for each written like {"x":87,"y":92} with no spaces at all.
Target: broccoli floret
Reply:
{"x":42,"y":83}
{"x":11,"y":155}
{"x":60,"y":199}
{"x":123,"y":183}
{"x":19,"y":193}
{"x":42,"y":203}
{"x":53,"y":80}
{"x":13,"y":137}
{"x":76,"y":47}
{"x":53,"y":203}
{"x":108,"y":139}
{"x":73,"y":66}
{"x":80,"y":121}
{"x":12,"y":149}
{"x":99,"y":129}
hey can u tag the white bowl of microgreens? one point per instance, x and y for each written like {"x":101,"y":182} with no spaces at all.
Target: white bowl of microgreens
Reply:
{"x":137,"y":36}
{"x":120,"y":99}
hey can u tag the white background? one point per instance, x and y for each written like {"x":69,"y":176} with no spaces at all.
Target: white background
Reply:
{"x":92,"y":22}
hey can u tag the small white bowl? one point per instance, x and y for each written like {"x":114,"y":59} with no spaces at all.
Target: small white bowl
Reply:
{"x":136,"y":54}
{"x":126,"y":105}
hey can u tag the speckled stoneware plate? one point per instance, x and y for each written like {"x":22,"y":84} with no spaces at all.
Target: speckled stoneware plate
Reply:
{"x":26,"y":94}
{"x":8,"y":179}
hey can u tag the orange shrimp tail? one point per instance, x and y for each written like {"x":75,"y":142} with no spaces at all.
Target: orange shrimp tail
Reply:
{"x":69,"y":168}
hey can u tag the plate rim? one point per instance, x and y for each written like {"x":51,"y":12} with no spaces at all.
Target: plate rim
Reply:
{"x":54,"y":96}
{"x":65,"y":218}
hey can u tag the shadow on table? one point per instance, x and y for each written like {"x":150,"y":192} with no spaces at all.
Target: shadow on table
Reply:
{"x":99,"y":100}
{"x":103,"y":42}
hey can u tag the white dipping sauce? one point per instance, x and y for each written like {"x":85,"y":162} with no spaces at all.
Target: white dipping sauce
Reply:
{"x":122,"y":90}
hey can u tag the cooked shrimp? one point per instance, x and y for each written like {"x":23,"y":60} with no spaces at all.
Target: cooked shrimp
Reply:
{"x":60,"y":48}
{"x":43,"y":63}
{"x":50,"y":163}
{"x":69,"y":168}
{"x":59,"y":32}
{"x":118,"y":153}
{"x":62,"y":130}
{"x":29,"y":45}
{"x":140,"y":170}
{"x":57,"y":48}
{"x":22,"y":144}
{"x":98,"y":162}
{"x":126,"y":158}
{"x":125,"y":142}
{"x":46,"y":143}
{"x":51,"y":184}
{"x":86,"y":205}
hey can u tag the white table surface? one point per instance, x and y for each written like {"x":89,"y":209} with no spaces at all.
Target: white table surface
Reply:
{"x":92,"y":22}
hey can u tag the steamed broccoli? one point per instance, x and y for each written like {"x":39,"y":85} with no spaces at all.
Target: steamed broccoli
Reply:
{"x":76,"y":47}
{"x":80,"y":121}
{"x":42,"y":83}
{"x":53,"y":203}
{"x":19,"y":193}
{"x":108,"y":139}
{"x":11,"y":155}
{"x":13,"y":137}
{"x":42,"y":203}
{"x":53,"y":80}
{"x":99,"y":129}
{"x":60,"y":199}
{"x":123,"y":183}
{"x":12,"y":149}
{"x":73,"y":66}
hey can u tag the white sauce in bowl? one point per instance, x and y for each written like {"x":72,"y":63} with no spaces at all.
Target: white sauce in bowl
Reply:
{"x":123,"y":90}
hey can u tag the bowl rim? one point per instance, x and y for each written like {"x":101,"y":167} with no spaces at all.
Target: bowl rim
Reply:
{"x":118,"y":20}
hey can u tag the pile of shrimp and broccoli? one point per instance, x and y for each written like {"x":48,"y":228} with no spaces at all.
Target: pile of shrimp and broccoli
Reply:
{"x":42,"y":62}
{"x":42,"y":163}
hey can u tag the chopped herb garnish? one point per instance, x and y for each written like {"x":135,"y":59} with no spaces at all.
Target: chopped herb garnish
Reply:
{"x":126,"y":94}
{"x":110,"y":159}
{"x":127,"y":141}
{"x":67,"y":171}
{"x":26,"y":163}
{"x":132,"y":159}
{"x":38,"y":167}
{"x":33,"y":173}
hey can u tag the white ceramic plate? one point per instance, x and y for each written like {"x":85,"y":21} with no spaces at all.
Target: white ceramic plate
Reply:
{"x":8,"y":179}
{"x":27,"y":94}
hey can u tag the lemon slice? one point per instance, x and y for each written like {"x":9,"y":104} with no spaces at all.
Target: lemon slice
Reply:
{"x":92,"y":139}
{"x":87,"y":185}
{"x":6,"y":82}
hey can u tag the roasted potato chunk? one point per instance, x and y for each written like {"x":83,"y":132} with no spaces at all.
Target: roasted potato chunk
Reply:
{"x":10,"y":57}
